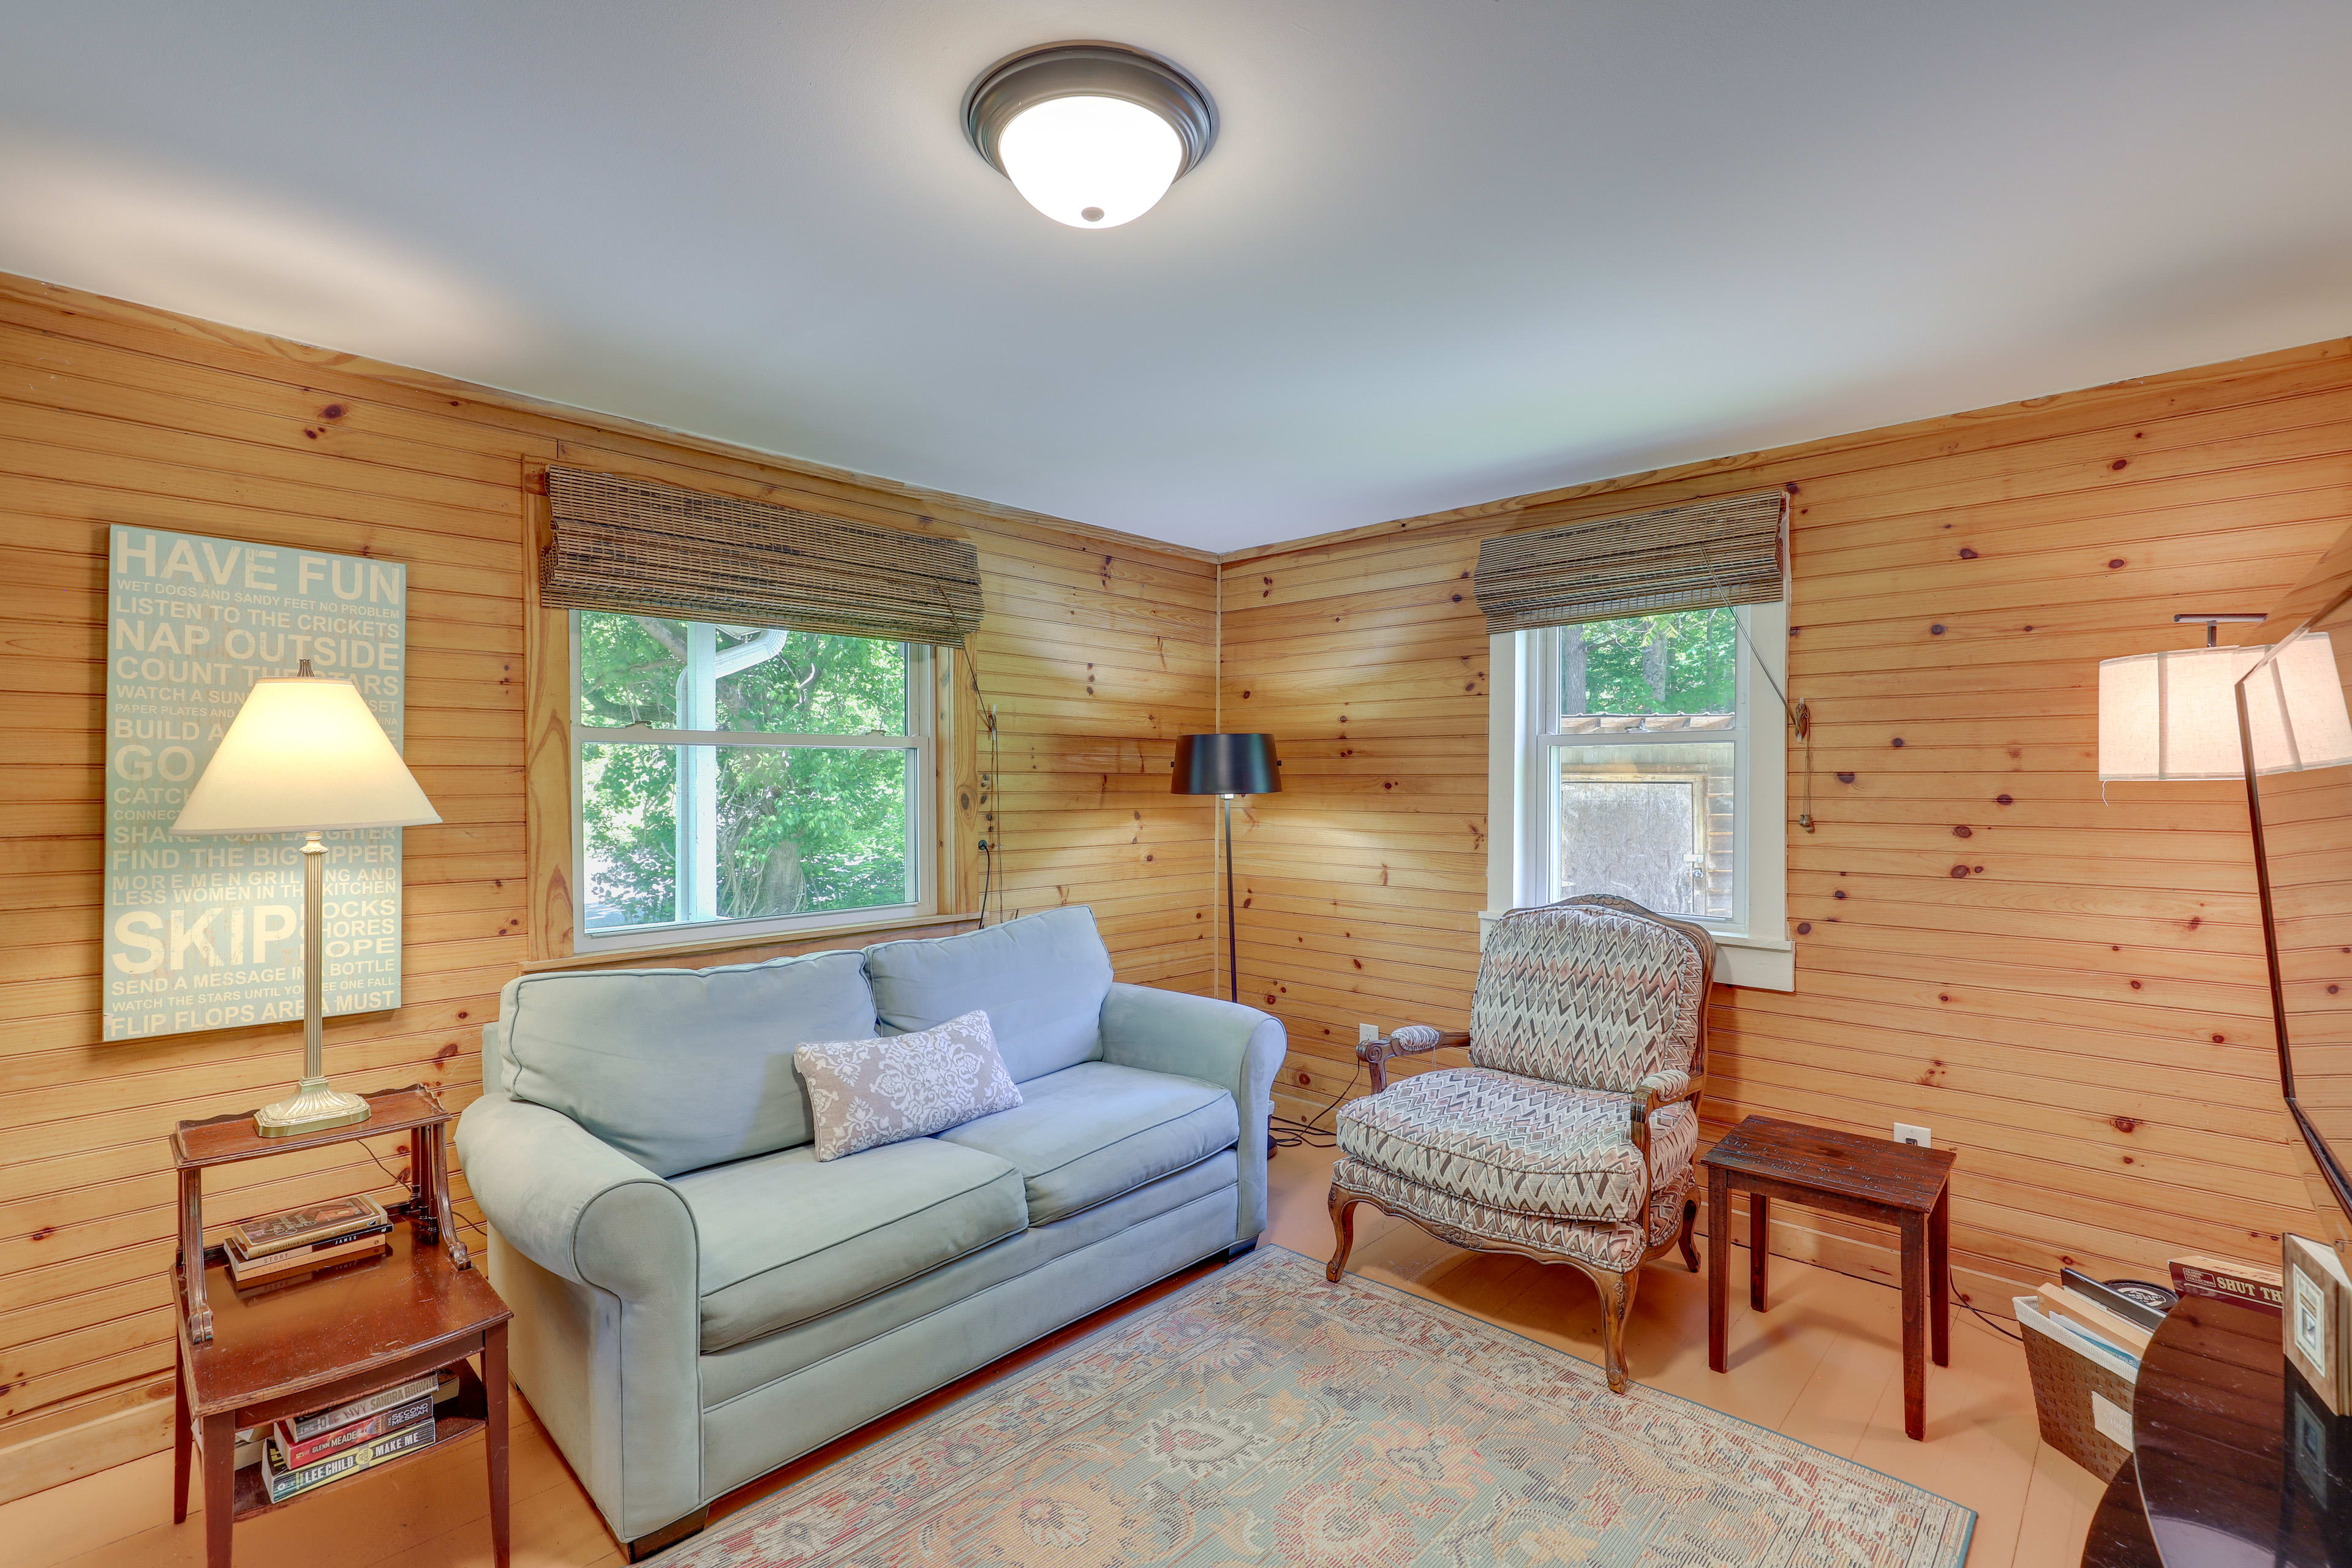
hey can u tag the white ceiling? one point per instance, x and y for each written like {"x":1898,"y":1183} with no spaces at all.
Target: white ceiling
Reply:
{"x":1443,"y":251}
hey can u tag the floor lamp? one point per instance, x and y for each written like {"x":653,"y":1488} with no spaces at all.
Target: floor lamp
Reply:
{"x":1225,"y":766}
{"x":305,"y":755}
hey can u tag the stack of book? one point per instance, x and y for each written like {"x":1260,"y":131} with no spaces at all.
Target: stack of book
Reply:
{"x":280,"y":1246}
{"x":2089,"y":1315}
{"x":308,"y":1451}
{"x":250,"y":1439}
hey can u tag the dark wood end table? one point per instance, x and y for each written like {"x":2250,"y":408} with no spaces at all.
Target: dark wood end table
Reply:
{"x":287,"y":1347}
{"x":1899,"y":1184}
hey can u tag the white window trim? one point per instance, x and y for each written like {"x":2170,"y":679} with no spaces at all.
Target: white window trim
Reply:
{"x":922,"y":809}
{"x":1759,"y":953}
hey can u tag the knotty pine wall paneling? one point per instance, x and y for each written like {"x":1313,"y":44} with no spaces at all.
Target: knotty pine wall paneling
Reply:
{"x":1098,"y":650}
{"x":2068,"y":989}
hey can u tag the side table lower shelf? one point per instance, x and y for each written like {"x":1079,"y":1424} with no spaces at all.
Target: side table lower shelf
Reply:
{"x":465,"y":1416}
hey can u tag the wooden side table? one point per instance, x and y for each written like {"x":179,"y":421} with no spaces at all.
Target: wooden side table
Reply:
{"x":1899,"y":1184}
{"x":282,"y":1349}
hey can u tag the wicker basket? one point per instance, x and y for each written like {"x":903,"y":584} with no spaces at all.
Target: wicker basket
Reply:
{"x":2065,"y":1379}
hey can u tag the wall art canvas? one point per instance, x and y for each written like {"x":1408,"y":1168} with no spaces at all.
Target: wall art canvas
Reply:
{"x":203,"y":933}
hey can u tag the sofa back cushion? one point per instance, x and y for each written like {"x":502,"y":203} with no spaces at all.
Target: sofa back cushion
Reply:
{"x":1041,"y":979}
{"x":679,"y":1069}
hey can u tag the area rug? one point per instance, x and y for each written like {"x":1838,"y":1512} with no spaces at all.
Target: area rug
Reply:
{"x":1262,"y":1415}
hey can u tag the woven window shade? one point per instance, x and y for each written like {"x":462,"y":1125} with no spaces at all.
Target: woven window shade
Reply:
{"x":647,"y":549}
{"x":1701,"y":556}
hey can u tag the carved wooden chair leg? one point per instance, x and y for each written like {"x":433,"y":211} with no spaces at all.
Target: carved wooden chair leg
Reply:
{"x":1343,"y":1233}
{"x":1616,"y":1305}
{"x":1690,"y":1248}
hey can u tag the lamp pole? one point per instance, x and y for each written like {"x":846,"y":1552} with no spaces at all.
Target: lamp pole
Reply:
{"x":1233,"y":938}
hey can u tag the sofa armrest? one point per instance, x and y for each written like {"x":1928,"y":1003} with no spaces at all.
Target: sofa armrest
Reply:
{"x":1221,"y":1043}
{"x":599,"y":1260}
{"x":573,"y":1204}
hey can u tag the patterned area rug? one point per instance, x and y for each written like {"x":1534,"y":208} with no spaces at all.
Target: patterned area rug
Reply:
{"x":1261,"y":1416}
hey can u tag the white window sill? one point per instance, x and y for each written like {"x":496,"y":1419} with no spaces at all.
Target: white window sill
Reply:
{"x":593,"y":953}
{"x":1760,"y":961}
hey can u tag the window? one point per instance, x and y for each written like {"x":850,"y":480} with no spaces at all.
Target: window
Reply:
{"x":772,"y":780}
{"x":1645,"y":757}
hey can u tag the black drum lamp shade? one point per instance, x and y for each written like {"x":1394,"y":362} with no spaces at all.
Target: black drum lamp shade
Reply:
{"x":1227,"y":764}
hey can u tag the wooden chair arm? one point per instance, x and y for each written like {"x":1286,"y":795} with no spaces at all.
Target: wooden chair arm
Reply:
{"x":1413,"y":1039}
{"x":1657,"y":1092}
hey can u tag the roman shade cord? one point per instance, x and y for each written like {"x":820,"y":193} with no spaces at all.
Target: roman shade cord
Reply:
{"x":1801,"y":719}
{"x":990,"y":845}
{"x":640,"y":547}
{"x":1710,"y":555}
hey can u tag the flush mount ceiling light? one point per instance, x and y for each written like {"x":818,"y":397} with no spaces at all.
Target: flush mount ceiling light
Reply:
{"x":1091,"y":134}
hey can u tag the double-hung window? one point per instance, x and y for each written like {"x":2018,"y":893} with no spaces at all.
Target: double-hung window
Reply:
{"x":1644,"y":755}
{"x":747,"y":778}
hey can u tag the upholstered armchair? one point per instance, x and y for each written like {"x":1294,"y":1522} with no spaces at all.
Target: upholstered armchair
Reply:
{"x":1572,"y":1137}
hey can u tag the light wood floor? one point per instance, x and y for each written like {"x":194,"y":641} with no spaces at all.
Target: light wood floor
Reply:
{"x":1823,"y":1365}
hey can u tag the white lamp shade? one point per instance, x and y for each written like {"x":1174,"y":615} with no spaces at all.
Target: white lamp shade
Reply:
{"x":304,"y":754}
{"x":2295,"y":708}
{"x":2174,"y":715}
{"x":1085,"y":154}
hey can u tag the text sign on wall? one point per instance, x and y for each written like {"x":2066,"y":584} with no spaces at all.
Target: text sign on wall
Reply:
{"x":206,"y":933}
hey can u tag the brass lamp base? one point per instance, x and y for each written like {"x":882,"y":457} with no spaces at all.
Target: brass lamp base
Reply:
{"x":313,"y":1108}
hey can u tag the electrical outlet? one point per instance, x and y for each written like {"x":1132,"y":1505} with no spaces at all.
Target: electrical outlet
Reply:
{"x":1367,"y":1033}
{"x":1906,"y":1133}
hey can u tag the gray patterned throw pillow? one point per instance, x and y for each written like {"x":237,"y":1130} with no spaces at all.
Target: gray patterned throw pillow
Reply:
{"x":870,"y":1092}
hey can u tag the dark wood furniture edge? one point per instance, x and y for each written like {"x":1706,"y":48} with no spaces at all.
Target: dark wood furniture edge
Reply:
{"x":669,"y":1535}
{"x":293,"y":1399}
{"x":431,"y":1113}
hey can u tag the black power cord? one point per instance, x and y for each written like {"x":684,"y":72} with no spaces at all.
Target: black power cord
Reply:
{"x":1969,"y":1307}
{"x":400,"y":1181}
{"x":1289,"y":1132}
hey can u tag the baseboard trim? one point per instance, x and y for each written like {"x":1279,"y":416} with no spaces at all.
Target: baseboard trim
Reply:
{"x":113,"y":1429}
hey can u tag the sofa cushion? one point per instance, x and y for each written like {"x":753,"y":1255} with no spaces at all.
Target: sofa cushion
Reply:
{"x":1040,"y":979}
{"x":1086,"y":1134}
{"x":786,"y":1237}
{"x":679,"y":1069}
{"x":1521,"y":1145}
{"x":866,"y":1093}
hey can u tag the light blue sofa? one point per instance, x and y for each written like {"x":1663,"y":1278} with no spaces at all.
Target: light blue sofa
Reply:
{"x":698,"y":1300}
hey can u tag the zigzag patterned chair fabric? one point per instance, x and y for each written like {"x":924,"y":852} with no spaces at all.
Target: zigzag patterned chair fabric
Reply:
{"x":1572,"y":1137}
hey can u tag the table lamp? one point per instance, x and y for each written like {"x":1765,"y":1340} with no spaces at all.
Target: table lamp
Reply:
{"x":1225,"y":766}
{"x":305,"y":755}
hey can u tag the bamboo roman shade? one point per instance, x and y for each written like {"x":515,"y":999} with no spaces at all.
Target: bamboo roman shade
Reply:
{"x":650,"y":548}
{"x":1699,"y":556}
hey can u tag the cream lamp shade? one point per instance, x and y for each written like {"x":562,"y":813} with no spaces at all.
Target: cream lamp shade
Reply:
{"x":2174,"y":715}
{"x":304,"y":754}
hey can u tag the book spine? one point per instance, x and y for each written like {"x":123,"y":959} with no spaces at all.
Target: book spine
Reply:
{"x":2213,"y":1286}
{"x":286,"y":1483}
{"x":279,"y":1265}
{"x":304,"y":1248}
{"x":310,"y":1426}
{"x":299,"y":1453}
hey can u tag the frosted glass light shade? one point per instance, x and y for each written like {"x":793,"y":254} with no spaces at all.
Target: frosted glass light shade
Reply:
{"x":2174,"y":715}
{"x":304,"y":754}
{"x":1090,"y":161}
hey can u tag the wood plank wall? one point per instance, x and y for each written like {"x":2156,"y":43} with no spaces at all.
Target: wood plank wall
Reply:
{"x":2068,"y":991}
{"x":1098,"y":649}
